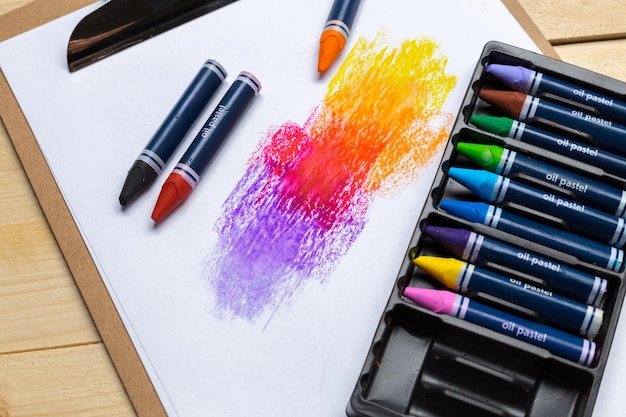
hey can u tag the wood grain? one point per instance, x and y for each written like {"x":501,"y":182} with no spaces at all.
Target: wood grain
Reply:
{"x":8,"y":5}
{"x":52,"y":362}
{"x":41,"y":307}
{"x":606,"y":57}
{"x":69,"y":382}
{"x":573,"y":21}
{"x":35,"y":279}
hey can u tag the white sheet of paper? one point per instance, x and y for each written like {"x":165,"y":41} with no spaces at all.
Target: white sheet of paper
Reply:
{"x":303,"y":358}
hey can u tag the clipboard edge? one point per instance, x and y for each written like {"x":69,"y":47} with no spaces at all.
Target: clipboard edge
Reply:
{"x":115,"y":337}
{"x":120,"y":348}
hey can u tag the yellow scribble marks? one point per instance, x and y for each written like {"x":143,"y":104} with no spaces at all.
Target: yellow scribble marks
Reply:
{"x":390,"y":100}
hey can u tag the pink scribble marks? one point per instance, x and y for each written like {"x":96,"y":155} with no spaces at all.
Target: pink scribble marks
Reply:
{"x":305,"y":196}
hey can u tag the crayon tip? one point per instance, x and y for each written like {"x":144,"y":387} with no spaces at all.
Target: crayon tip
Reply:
{"x":510,"y":102}
{"x":514,"y":77}
{"x":483,"y":184}
{"x":500,"y":126}
{"x":485,"y":156}
{"x":331,"y":45}
{"x":438,"y":301}
{"x":474,"y":212}
{"x":445,"y":270}
{"x":139,"y":177}
{"x":175,"y":190}
{"x":453,"y":239}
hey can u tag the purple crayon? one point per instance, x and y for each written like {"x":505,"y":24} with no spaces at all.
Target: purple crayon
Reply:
{"x":481,"y":250}
{"x":560,"y":343}
{"x":586,"y":250}
{"x":536,"y":83}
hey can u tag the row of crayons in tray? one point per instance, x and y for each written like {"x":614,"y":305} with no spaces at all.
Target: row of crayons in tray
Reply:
{"x":559,"y":305}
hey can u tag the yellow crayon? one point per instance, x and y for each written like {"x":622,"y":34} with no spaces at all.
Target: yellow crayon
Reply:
{"x":448,"y":271}
{"x":555,"y":309}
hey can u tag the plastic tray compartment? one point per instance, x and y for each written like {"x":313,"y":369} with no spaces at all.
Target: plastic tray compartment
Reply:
{"x":432,"y":365}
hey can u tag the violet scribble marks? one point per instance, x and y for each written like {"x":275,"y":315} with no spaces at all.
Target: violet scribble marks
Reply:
{"x":266,"y":249}
{"x":305,"y":196}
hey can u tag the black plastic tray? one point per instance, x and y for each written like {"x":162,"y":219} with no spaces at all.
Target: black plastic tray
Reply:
{"x":425,"y":364}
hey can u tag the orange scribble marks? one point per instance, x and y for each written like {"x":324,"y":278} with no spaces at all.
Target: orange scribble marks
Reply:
{"x":393,"y":116}
{"x":378,"y":125}
{"x":308,"y":189}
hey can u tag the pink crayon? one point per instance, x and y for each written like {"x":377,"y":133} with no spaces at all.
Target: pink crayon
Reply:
{"x":441,"y":302}
{"x":560,"y":343}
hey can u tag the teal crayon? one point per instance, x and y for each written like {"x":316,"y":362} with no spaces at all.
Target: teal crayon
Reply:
{"x":507,"y":162}
{"x":579,"y":218}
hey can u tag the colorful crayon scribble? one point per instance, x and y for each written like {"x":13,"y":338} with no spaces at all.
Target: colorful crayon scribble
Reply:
{"x":305,"y":196}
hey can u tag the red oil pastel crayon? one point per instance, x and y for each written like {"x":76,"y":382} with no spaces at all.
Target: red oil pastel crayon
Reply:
{"x":206,"y":144}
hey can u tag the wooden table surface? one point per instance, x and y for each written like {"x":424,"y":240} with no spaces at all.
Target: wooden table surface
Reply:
{"x":52,"y":360}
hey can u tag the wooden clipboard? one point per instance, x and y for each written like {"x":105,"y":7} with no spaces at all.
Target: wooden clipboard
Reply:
{"x":84,"y":271}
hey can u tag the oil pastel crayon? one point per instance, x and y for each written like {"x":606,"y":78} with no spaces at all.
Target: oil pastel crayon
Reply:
{"x":536,"y":83}
{"x":552,"y":308}
{"x":581,"y":219}
{"x":584,"y":249}
{"x":172,"y":131}
{"x":507,"y":162}
{"x":558,"y":342}
{"x":507,"y":127}
{"x":336,"y":32}
{"x":606,"y":133}
{"x":482,"y":250}
{"x":206,"y":144}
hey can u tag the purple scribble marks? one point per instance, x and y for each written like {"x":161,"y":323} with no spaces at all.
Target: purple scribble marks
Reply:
{"x":306,"y":194}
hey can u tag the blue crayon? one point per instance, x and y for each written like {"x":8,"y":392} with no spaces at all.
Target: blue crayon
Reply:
{"x":482,"y":250}
{"x":172,"y":131}
{"x":536,"y":83}
{"x":207,"y":142}
{"x":585,"y":250}
{"x":606,"y":134}
{"x":579,"y":218}
{"x":558,"y":342}
{"x":507,"y":162}
{"x":552,"y":308}
{"x":503,"y":126}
